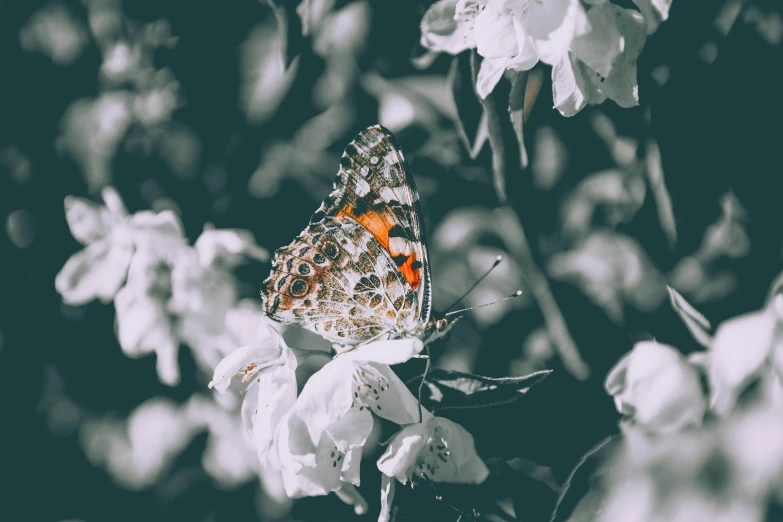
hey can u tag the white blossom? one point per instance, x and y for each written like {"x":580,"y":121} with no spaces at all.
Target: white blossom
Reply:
{"x":437,"y":449}
{"x":144,"y":323}
{"x":227,"y":247}
{"x":743,"y":349}
{"x":658,"y":387}
{"x":110,"y":237}
{"x":508,"y":34}
{"x":319,"y":442}
{"x":601,"y":63}
{"x":269,"y":365}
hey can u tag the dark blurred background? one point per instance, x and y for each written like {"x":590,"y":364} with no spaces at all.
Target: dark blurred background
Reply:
{"x":186,"y":106}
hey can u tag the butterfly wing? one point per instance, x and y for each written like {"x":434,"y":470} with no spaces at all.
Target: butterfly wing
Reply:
{"x":337,"y":281}
{"x":365,"y":270}
{"x":375,"y":187}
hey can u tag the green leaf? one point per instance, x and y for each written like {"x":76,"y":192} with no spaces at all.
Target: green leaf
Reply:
{"x":582,"y":495}
{"x":471,"y":121}
{"x":458,"y":390}
{"x":289,"y":26}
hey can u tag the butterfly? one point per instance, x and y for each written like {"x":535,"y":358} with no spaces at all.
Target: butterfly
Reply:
{"x":360,"y":272}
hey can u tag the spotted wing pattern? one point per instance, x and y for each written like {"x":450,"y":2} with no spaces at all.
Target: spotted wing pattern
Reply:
{"x":359,"y":271}
{"x":336,"y":280}
{"x":375,"y":187}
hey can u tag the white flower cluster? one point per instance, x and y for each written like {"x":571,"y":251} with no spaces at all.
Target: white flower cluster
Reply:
{"x":661,"y":390}
{"x":316,"y":439}
{"x":165,"y":291}
{"x":592,"y":45}
{"x":703,"y":434}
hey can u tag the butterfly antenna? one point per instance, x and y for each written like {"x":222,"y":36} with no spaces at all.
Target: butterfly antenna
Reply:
{"x":478,"y":281}
{"x":512,"y":296}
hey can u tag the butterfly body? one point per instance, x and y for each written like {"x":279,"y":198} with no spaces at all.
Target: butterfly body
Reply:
{"x":359,"y":272}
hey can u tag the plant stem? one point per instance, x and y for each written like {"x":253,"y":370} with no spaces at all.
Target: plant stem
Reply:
{"x":424,"y":378}
{"x":507,"y":171}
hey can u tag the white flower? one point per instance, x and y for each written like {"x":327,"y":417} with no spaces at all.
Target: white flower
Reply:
{"x":110,"y":237}
{"x":144,"y":323}
{"x":601,"y":63}
{"x":227,"y":248}
{"x":509,"y":34}
{"x":743,"y":349}
{"x":654,"y":11}
{"x":270,"y":367}
{"x":443,"y":30}
{"x":319,"y":442}
{"x":658,"y":387}
{"x":201,"y":295}
{"x":136,"y":451}
{"x":243,"y":323}
{"x":437,"y":449}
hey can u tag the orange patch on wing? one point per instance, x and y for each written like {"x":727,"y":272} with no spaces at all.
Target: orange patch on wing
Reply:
{"x":379,"y":226}
{"x":411,"y":274}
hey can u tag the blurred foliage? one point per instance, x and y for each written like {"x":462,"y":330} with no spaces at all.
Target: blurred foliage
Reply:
{"x":190,"y":107}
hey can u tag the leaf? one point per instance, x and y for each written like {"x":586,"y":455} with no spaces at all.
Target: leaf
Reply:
{"x":516,"y":108}
{"x":533,"y":489}
{"x":470,"y":121}
{"x":464,"y":390}
{"x":663,"y":200}
{"x":697,"y":324}
{"x":289,"y":25}
{"x":583,"y":493}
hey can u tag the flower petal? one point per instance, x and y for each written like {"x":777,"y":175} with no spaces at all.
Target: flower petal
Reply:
{"x":326,"y":397}
{"x":396,"y":351}
{"x":114,"y":203}
{"x":352,"y":429}
{"x":552,"y":25}
{"x":656,"y":385}
{"x":527,"y":55}
{"x":97,"y":271}
{"x":166,"y":364}
{"x":267,"y":351}
{"x":631,"y":27}
{"x":464,"y":465}
{"x":350,"y":469}
{"x":654,"y":12}
{"x":228,"y":248}
{"x":387,"y":498}
{"x":441,"y":32}
{"x":402,"y":454}
{"x":621,"y":86}
{"x":598,"y":41}
{"x":440,"y":449}
{"x":317,"y":476}
{"x":490,"y":73}
{"x":351,"y":496}
{"x":571,"y":91}
{"x":86,"y":220}
{"x":269,"y":398}
{"x":494,"y":32}
{"x":142,"y":322}
{"x":245,"y":322}
{"x":397,"y":403}
{"x":166,"y":222}
{"x":740,"y":348}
